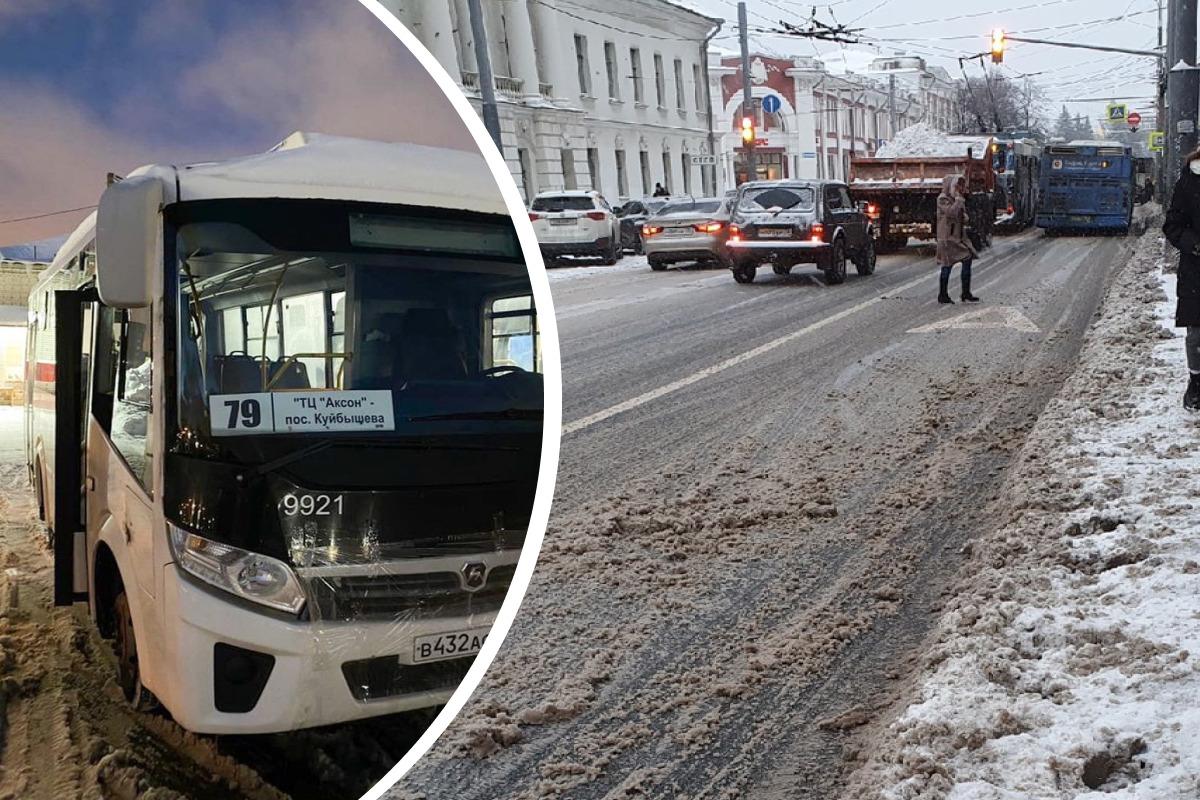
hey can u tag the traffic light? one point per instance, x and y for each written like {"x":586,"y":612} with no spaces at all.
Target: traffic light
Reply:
{"x":998,"y":43}
{"x":748,"y":134}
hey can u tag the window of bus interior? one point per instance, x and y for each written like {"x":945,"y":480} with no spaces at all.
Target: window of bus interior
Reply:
{"x":347,"y":308}
{"x":122,"y":381}
{"x":515,"y":340}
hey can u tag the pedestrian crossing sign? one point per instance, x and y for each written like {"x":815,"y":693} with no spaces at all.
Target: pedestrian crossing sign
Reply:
{"x":1158,"y":141}
{"x":1118,"y":112}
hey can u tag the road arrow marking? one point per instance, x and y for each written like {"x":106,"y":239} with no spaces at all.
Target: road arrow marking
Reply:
{"x":997,"y":317}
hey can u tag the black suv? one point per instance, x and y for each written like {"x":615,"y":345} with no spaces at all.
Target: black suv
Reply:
{"x":793,"y":222}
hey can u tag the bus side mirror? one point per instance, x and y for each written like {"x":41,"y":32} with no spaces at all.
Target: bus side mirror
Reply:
{"x":128,"y":222}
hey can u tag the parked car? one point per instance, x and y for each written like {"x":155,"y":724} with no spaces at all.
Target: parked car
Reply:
{"x":632,"y":215}
{"x":688,"y":230}
{"x":575,"y":223}
{"x":791,"y":222}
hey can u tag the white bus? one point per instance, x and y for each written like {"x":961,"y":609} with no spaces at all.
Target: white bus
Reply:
{"x":284,"y":421}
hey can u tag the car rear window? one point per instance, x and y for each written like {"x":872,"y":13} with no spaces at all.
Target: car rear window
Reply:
{"x":787,"y":198}
{"x":698,"y":206}
{"x":562,"y":204}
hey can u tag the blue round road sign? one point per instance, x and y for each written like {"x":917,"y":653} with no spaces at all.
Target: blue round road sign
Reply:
{"x":771,"y":104}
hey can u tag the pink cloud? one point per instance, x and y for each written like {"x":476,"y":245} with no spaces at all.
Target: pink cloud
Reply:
{"x":334,"y":70}
{"x":338,"y":71}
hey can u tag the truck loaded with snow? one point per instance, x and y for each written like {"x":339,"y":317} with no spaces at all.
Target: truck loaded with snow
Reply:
{"x":901,"y":183}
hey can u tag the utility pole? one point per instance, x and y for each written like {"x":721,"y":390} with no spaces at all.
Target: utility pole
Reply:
{"x":747,"y":94}
{"x":892,"y":104}
{"x":487,"y":80}
{"x":1183,"y":86}
{"x":1160,"y":120}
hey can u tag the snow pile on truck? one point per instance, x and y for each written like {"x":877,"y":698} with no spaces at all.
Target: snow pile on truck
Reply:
{"x":924,"y":141}
{"x":1066,"y":662}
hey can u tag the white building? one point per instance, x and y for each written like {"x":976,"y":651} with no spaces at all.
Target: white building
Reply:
{"x":812,"y":114}
{"x":591,"y":94}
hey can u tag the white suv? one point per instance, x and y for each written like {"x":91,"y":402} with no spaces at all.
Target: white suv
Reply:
{"x":575,"y":223}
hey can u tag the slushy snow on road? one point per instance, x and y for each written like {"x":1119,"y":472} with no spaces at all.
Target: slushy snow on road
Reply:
{"x":1068,"y":664}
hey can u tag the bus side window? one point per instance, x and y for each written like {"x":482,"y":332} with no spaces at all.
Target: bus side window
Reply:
{"x":124,"y":377}
{"x":105,"y":376}
{"x":514,"y":334}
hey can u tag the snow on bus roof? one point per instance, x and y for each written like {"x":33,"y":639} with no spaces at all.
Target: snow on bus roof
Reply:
{"x":313,"y":165}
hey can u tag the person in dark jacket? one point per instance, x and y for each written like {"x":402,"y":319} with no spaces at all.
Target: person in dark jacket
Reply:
{"x":661,"y":191}
{"x":953,"y":246}
{"x":1182,"y":229}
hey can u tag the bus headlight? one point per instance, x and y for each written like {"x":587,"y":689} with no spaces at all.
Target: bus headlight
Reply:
{"x":254,"y":577}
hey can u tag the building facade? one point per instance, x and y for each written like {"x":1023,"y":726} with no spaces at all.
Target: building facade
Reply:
{"x":810,"y":119}
{"x":612,"y":96}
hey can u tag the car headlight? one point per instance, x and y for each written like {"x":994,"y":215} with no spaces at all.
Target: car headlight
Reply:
{"x":252,"y":576}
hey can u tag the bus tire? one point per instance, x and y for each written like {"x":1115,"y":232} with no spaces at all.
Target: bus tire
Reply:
{"x":129,"y":676}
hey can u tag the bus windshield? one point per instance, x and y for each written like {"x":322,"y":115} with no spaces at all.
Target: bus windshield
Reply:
{"x":340,"y":319}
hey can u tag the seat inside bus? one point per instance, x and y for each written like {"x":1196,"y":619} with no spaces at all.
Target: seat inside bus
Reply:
{"x":240,"y":373}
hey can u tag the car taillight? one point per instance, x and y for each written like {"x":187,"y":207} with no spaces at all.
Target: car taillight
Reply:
{"x":817,"y":232}
{"x":709,"y":227}
{"x":596,"y":215}
{"x":534,"y":217}
{"x":872,"y":210}
{"x":1011,"y":209}
{"x":735,"y":233}
{"x":650,"y":230}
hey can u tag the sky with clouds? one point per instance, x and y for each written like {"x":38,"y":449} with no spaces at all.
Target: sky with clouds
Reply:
{"x":89,"y":87}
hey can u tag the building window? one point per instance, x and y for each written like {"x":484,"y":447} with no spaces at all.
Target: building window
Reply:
{"x":698,"y":80}
{"x":610,"y":68}
{"x":568,"y":169}
{"x":660,"y":81}
{"x":526,"y":173}
{"x":622,"y":175}
{"x":666,"y":158}
{"x":635,"y":70}
{"x":685,"y":163}
{"x":679,"y":103}
{"x":644,"y":163}
{"x":594,"y":168}
{"x":832,"y":174}
{"x":581,"y":65}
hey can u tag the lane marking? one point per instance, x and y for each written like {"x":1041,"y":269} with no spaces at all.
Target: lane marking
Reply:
{"x":984,"y":318}
{"x":592,"y":419}
{"x":729,"y":363}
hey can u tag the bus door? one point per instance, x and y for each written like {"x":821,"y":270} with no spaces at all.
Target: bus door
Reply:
{"x":120,"y":477}
{"x":72,"y":345}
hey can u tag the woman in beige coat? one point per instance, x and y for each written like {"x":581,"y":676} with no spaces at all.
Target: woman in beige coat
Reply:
{"x":953,"y":245}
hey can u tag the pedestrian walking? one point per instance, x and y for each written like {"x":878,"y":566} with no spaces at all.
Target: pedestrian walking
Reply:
{"x":953,"y":246}
{"x":1182,"y":229}
{"x":660,"y":190}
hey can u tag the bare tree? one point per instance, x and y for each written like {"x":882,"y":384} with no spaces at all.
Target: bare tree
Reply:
{"x":998,"y":104}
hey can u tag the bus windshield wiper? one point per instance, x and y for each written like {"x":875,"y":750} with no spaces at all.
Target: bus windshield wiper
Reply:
{"x":508,"y":413}
{"x":284,"y":460}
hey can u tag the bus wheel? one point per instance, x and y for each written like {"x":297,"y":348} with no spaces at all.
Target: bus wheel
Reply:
{"x":129,"y":677}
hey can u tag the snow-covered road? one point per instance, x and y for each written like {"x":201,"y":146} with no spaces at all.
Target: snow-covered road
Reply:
{"x":1067,"y":665}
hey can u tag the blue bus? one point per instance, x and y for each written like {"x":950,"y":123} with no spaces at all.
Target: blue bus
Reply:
{"x":1086,"y":186}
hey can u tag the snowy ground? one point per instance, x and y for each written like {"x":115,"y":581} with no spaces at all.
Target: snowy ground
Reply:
{"x":1067,"y":665}
{"x":586,"y":268}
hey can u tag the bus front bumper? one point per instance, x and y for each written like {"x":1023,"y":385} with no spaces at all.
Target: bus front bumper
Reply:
{"x":315,"y":668}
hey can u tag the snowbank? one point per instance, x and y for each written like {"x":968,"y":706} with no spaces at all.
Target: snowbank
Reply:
{"x":1068,"y":663}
